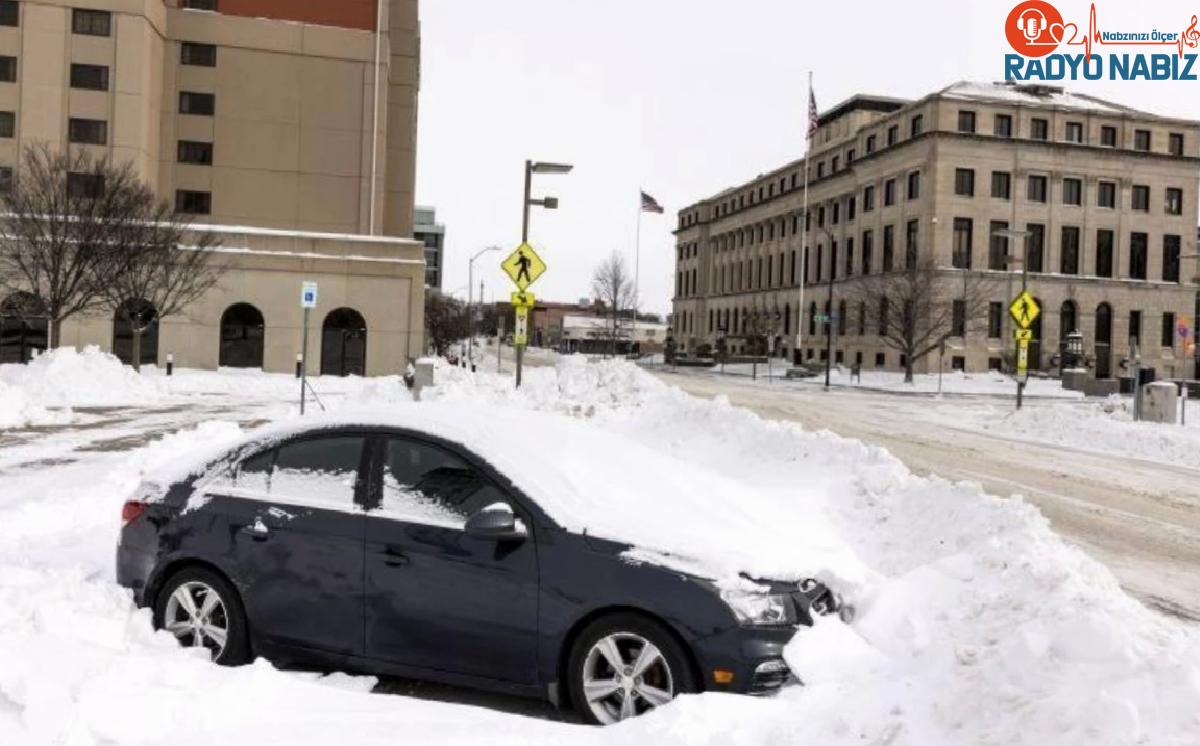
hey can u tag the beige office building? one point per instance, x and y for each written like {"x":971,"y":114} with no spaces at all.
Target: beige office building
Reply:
{"x":1108,"y":195}
{"x":290,"y":127}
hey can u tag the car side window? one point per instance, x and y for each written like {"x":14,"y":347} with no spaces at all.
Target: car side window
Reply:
{"x":316,"y":471}
{"x":426,"y":484}
{"x":254,"y":473}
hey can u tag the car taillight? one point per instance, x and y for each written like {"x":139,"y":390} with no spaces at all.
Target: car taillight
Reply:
{"x":131,"y":510}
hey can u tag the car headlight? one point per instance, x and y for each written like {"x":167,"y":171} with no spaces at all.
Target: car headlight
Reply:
{"x":760,"y":609}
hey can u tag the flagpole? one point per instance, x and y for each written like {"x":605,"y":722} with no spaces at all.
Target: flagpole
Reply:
{"x":797,"y":354}
{"x":637,"y":263}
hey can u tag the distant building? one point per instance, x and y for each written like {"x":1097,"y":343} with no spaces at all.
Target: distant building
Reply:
{"x":430,"y":232}
{"x":594,"y":335}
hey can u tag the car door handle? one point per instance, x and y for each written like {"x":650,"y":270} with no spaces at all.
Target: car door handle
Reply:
{"x":257,"y":530}
{"x":394,"y":557}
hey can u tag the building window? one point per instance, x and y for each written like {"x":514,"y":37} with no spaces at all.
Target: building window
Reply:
{"x":893,"y":133}
{"x":820,"y":169}
{"x":89,"y":77}
{"x":1135,"y":326}
{"x":6,"y":179}
{"x":85,"y":186}
{"x":868,"y":241}
{"x":1001,"y":185}
{"x":199,"y":4}
{"x":1036,"y":191}
{"x":1104,"y":253}
{"x":889,"y":247}
{"x":880,"y":360}
{"x":1139,"y":250}
{"x":1074,"y":132}
{"x":1175,"y":143}
{"x":998,"y":246}
{"x":193,"y":203}
{"x":8,"y":124}
{"x":10,"y":13}
{"x":963,"y":230}
{"x":868,"y":198}
{"x":1174,"y":204}
{"x":889,"y":192}
{"x":204,"y":104}
{"x":91,"y":22}
{"x":1108,"y":136}
{"x":833,"y":168}
{"x":201,"y":55}
{"x":1039,"y":129}
{"x":914,"y":185}
{"x":8,"y":69}
{"x":916,"y":126}
{"x":87,"y":131}
{"x":1072,"y":192}
{"x":910,"y":244}
{"x":883,"y":317}
{"x":1035,"y":250}
{"x":964,"y":182}
{"x":1141,"y":140}
{"x":1106,"y":195}
{"x":995,"y":319}
{"x":1168,"y":329}
{"x":195,"y":152}
{"x":870,"y":144}
{"x":966,"y":121}
{"x":958,"y":318}
{"x":1069,"y":255}
{"x":1141,"y":198}
{"x":1170,"y":270}
{"x":1002,"y":126}
{"x":850,"y":204}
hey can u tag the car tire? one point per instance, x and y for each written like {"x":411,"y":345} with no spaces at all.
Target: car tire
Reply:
{"x":221,"y":627}
{"x":591,"y":674}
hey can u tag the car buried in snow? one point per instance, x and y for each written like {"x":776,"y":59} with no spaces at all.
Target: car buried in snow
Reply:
{"x":467,"y":546}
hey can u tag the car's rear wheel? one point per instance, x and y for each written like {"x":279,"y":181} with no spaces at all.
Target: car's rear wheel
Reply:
{"x":624,"y":665}
{"x":202,"y":610}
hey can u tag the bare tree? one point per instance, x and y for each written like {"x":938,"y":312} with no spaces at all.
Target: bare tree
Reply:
{"x":54,"y":235}
{"x":163,"y":265}
{"x":445,"y":321}
{"x":916,"y":309}
{"x":612,"y":284}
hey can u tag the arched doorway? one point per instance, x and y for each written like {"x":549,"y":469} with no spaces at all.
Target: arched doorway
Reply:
{"x":1068,"y":321}
{"x":1035,"y":344}
{"x":242,"y":336}
{"x":24,"y":327}
{"x":1103,"y":341}
{"x":344,"y":343}
{"x":140,"y":313}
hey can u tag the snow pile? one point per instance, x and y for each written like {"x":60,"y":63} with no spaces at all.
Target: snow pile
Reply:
{"x":976,"y":623}
{"x":16,"y":409}
{"x":87,"y":377}
{"x":1106,"y":426}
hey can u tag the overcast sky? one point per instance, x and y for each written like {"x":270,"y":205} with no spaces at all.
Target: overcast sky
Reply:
{"x":681,"y":98}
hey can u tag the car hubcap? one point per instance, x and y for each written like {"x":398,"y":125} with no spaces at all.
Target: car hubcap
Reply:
{"x":625,"y":675}
{"x":196,"y":615}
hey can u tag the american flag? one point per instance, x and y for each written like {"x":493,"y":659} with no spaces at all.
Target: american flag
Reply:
{"x":649,"y":204}
{"x":812,"y":114}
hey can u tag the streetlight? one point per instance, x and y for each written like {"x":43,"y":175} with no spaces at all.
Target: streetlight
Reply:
{"x":470,"y":309}
{"x":550,"y":203}
{"x":829,"y":302}
{"x":1013,"y":234}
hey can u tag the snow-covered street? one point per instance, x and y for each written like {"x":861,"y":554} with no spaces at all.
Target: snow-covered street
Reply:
{"x":976,"y":623}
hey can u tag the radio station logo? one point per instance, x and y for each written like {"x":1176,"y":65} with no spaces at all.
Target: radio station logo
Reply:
{"x":1050,"y":48}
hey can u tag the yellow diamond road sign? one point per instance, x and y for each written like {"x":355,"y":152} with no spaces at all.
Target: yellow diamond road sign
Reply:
{"x":523,"y":266}
{"x":1024,"y":309}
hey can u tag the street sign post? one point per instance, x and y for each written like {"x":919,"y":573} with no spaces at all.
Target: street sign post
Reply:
{"x":308,"y":301}
{"x":523,"y":266}
{"x":1024,"y":311}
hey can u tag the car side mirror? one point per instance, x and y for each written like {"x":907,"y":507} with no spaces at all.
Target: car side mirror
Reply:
{"x":496,"y":522}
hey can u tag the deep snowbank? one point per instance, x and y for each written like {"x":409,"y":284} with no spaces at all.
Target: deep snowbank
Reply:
{"x":976,"y":623}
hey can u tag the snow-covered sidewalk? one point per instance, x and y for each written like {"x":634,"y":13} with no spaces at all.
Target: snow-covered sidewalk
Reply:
{"x":976,"y":623}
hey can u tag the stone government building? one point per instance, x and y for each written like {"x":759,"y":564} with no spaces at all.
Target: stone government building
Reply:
{"x":289,"y":128}
{"x":1108,"y":193}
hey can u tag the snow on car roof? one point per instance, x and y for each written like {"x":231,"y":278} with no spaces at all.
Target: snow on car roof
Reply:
{"x":590,"y":480}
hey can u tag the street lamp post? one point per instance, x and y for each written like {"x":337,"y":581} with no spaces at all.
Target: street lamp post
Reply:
{"x":1009,"y":259}
{"x":470,"y":307}
{"x":550,"y":203}
{"x":829,"y":303}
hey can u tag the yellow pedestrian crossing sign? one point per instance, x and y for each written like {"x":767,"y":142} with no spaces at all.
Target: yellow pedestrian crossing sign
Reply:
{"x":1024,"y":309}
{"x":523,"y":266}
{"x":521,"y":299}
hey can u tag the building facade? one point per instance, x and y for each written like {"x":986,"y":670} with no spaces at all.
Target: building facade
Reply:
{"x":288,"y":127}
{"x":1107,"y":196}
{"x":432,"y":236}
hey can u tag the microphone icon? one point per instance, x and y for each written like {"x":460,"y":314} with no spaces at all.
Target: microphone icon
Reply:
{"x":1031,"y":23}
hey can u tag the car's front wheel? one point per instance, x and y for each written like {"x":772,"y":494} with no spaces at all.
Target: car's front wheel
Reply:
{"x":624,"y":665}
{"x":202,"y":610}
